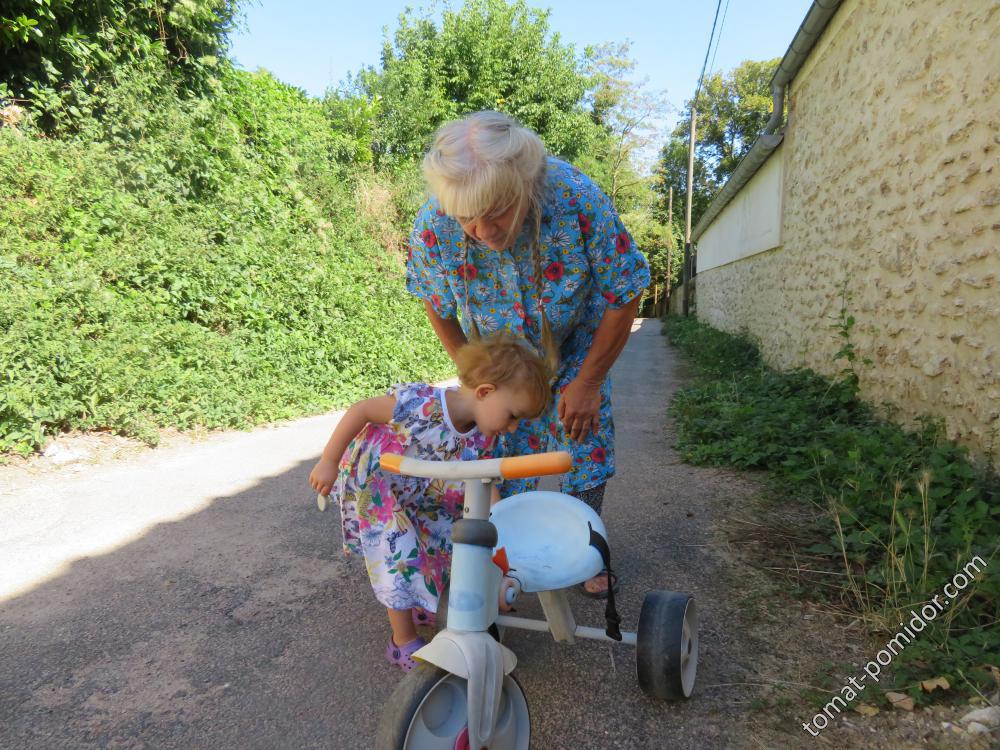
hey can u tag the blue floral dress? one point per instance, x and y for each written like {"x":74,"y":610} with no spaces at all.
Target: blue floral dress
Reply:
{"x":402,"y":525}
{"x":589,"y":262}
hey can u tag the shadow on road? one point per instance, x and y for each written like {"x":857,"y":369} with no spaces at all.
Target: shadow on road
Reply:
{"x":243,"y":625}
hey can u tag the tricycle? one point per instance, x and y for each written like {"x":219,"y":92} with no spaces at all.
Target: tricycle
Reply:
{"x":465,"y":695}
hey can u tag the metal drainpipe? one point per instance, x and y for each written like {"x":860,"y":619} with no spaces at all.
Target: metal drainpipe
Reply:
{"x":778,"y":102}
{"x":812,"y":26}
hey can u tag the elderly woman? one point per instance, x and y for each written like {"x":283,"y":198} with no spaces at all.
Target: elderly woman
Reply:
{"x":515,"y":241}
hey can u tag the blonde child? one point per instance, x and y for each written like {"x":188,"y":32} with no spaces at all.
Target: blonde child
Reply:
{"x":402,"y":525}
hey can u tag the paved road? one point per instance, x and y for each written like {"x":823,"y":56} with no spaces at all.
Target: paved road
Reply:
{"x":193,"y":597}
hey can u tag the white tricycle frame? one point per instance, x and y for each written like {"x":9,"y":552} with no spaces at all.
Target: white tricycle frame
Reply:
{"x":465,"y":696}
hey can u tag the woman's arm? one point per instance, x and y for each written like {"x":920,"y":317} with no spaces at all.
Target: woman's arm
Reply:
{"x":580,"y":403}
{"x":620,"y":272}
{"x":447,"y":329}
{"x":376,"y":410}
{"x":609,"y":339}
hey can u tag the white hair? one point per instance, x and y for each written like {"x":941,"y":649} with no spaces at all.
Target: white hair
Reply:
{"x":484,"y":164}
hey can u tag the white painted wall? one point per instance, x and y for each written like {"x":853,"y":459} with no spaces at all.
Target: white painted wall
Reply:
{"x":750,"y":223}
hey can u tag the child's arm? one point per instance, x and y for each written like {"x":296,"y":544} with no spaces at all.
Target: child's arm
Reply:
{"x":377,"y":410}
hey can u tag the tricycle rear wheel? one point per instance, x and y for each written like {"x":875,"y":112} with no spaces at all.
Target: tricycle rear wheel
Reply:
{"x":667,"y":645}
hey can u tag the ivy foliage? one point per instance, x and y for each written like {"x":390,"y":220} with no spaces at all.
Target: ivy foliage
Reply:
{"x":189,"y":261}
{"x":62,"y":55}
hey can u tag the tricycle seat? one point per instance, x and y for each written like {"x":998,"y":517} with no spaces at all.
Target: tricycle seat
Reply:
{"x":547,"y":539}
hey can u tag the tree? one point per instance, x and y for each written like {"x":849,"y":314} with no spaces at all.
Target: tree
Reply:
{"x":625,"y":112}
{"x":490,"y":54}
{"x":732,"y":110}
{"x":661,"y":243}
{"x":672,"y":172}
{"x":352,"y":119}
{"x":54,"y":54}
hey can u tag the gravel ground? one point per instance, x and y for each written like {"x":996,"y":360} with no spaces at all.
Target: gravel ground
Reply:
{"x":191,"y":596}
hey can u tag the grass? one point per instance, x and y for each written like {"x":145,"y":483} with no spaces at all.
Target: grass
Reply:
{"x":889,"y":516}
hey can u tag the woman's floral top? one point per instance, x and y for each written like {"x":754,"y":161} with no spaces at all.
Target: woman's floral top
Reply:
{"x":589,"y":263}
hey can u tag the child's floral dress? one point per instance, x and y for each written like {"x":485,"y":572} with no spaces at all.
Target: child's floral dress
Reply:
{"x":402,"y":525}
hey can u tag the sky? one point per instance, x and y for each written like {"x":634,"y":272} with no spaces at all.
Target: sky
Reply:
{"x":314,"y":44}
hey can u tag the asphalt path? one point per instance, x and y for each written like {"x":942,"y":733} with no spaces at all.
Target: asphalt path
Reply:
{"x":193,"y":597}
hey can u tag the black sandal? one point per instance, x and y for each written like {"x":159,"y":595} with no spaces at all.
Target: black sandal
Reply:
{"x":615,"y":585}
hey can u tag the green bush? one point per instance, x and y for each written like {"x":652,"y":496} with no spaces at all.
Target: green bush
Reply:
{"x":906,"y":509}
{"x":188,"y":261}
{"x":62,"y":56}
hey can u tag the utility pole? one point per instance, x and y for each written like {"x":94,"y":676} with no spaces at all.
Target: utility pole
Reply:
{"x":687,"y":211}
{"x":688,"y":261}
{"x":670,"y":248}
{"x":666,"y":288}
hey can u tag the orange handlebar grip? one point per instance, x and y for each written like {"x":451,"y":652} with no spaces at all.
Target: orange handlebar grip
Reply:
{"x":390,"y":462}
{"x":522,"y":467}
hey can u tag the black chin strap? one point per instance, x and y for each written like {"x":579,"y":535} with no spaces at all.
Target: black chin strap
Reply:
{"x":610,"y":611}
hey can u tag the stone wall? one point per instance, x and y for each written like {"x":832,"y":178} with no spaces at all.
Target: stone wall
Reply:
{"x":892,"y":193}
{"x":676,"y":304}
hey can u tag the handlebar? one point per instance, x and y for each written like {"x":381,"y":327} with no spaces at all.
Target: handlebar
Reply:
{"x":515,"y":467}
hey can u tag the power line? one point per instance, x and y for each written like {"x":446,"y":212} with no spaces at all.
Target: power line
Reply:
{"x":718,"y":39}
{"x":711,"y":38}
{"x":688,"y":258}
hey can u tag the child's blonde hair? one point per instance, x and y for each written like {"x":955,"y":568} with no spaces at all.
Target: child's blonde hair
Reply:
{"x":504,"y":360}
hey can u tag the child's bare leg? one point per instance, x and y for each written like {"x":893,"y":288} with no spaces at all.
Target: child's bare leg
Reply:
{"x":401,"y":622}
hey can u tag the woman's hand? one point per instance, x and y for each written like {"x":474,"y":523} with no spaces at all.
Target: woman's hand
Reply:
{"x":580,"y":409}
{"x":323,"y":475}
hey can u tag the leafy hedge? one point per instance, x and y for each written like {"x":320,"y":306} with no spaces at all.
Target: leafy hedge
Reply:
{"x":904,"y":511}
{"x":185,"y":244}
{"x":187,"y":261}
{"x":62,"y":55}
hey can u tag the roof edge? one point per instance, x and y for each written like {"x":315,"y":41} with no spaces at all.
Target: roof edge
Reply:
{"x":812,"y":27}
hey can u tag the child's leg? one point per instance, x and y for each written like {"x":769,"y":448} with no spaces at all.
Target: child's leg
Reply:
{"x":401,"y":622}
{"x":405,"y":641}
{"x":423,"y":618}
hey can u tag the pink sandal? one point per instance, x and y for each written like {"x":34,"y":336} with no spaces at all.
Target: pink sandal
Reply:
{"x":423,"y":619}
{"x":402,"y":656}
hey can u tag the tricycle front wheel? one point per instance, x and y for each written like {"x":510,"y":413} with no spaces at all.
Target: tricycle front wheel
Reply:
{"x":428,"y":710}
